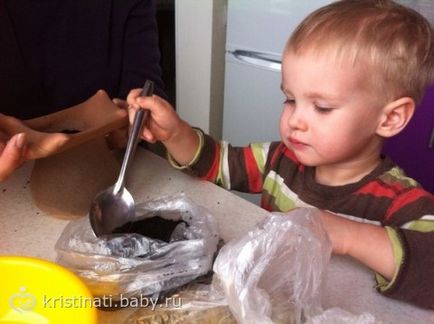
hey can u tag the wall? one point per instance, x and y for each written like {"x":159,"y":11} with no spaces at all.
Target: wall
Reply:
{"x":200,"y":28}
{"x":410,"y":149}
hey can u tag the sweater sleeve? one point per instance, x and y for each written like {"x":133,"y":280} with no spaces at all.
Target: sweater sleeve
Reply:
{"x":237,"y":168}
{"x":413,"y":244}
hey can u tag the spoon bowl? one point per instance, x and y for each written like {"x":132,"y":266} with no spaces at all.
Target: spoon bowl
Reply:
{"x":115,"y":206}
{"x":111,"y":210}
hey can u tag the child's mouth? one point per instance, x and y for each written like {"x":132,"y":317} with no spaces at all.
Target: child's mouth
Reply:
{"x":296,"y":144}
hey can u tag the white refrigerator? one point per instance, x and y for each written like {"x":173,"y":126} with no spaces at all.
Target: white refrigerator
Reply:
{"x":257,"y":31}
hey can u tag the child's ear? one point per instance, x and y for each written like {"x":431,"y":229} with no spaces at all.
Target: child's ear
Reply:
{"x":396,"y":115}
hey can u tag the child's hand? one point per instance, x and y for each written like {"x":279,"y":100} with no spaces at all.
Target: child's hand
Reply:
{"x":164,"y":125}
{"x":340,"y":230}
{"x":163,"y":122}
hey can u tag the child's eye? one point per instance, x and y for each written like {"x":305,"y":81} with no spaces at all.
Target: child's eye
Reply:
{"x":289,"y":101}
{"x":323,"y":110}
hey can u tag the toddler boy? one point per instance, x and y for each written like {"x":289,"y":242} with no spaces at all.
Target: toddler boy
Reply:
{"x":352,"y":74}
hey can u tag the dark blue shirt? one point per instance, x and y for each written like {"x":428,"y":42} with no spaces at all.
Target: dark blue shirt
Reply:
{"x":57,"y":53}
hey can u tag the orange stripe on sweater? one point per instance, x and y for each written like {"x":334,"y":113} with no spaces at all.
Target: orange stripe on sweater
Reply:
{"x":406,"y":199}
{"x":290,"y":154}
{"x":265,"y":204}
{"x":213,"y":171}
{"x":377,"y":189}
{"x":253,"y":173}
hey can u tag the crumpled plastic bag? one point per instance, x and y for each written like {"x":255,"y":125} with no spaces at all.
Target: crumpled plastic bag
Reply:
{"x":195,"y":303}
{"x":127,"y":265}
{"x":339,"y":316}
{"x":274,"y":273}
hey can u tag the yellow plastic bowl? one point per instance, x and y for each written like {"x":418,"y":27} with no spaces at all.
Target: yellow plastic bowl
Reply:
{"x":37,"y":291}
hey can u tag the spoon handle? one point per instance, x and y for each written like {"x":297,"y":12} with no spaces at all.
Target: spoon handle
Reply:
{"x":139,"y":120}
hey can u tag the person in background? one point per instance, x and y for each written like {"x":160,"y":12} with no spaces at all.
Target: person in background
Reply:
{"x":58,"y":53}
{"x":352,"y":74}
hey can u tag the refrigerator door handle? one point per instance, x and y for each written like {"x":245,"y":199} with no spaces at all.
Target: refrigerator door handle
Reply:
{"x":257,"y":58}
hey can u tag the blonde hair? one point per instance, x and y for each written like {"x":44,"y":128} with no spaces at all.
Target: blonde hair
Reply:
{"x":396,"y":42}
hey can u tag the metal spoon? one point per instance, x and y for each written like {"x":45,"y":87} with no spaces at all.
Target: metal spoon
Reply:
{"x":115,"y":206}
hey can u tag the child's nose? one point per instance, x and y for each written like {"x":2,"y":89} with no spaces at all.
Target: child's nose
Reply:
{"x":297,"y":120}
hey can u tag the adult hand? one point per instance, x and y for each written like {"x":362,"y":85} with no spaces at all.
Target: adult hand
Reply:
{"x":11,"y":154}
{"x":118,"y":138}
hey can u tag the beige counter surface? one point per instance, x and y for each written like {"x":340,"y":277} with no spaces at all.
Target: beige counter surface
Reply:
{"x":25,"y":230}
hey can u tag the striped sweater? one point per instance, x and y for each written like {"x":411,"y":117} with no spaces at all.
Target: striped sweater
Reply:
{"x":385,"y":197}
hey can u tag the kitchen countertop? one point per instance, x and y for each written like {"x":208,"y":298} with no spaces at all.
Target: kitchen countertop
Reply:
{"x":27,"y":231}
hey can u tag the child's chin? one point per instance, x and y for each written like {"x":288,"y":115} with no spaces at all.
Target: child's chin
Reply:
{"x":305,"y":160}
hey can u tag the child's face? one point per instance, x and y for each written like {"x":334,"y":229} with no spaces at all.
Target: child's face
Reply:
{"x":331,"y":115}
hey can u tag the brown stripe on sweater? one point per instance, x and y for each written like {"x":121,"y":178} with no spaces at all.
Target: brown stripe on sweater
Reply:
{"x":406,"y":213}
{"x":414,"y":281}
{"x":237,"y":169}
{"x":203,"y":165}
{"x":362,"y":207}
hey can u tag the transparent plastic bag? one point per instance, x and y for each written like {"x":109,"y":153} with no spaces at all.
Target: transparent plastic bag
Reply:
{"x":195,"y":303}
{"x":339,"y":316}
{"x":274,"y":273}
{"x":128,"y":265}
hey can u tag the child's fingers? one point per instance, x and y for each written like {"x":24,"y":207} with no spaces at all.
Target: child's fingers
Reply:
{"x":148,"y":136}
{"x":132,"y":109}
{"x":161,"y":120}
{"x":132,"y":96}
{"x":146,"y":133}
{"x":162,"y":112}
{"x":154,"y":103}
